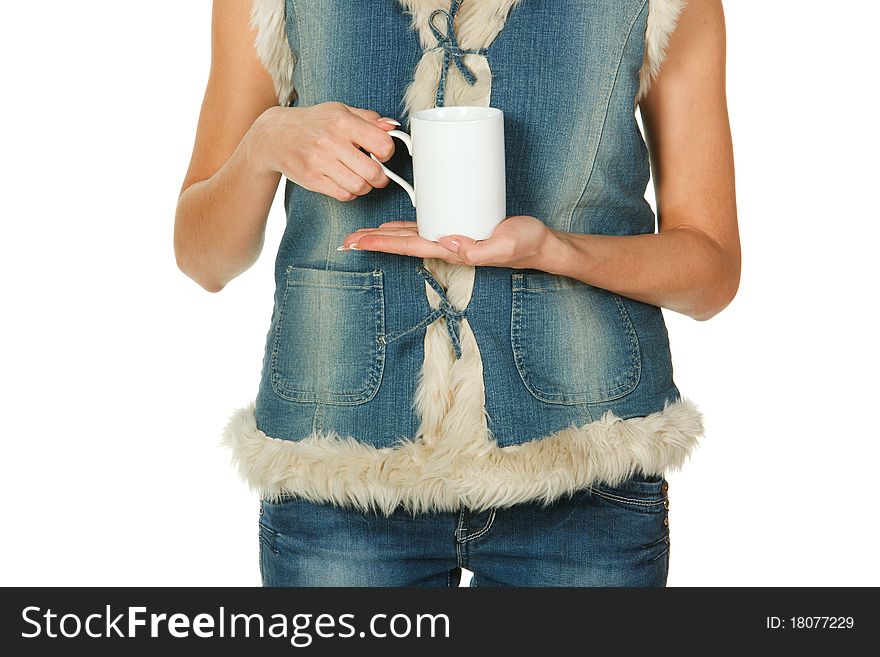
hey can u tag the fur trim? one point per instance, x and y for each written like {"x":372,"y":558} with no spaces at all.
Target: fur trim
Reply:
{"x":346,"y":472}
{"x":662,"y":19}
{"x":267,"y":18}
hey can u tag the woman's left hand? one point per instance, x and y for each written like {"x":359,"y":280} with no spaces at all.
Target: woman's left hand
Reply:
{"x":519,"y":241}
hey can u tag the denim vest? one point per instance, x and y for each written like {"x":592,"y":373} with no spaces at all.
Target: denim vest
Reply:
{"x":391,"y":380}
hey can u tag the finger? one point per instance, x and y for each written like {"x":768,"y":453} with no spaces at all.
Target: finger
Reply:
{"x":364,"y":166}
{"x":476,"y":252}
{"x":364,"y":232}
{"x":409,"y":245}
{"x":391,"y":230}
{"x":328,"y":186}
{"x":372,"y":139}
{"x":347,"y":179}
{"x":388,"y":124}
{"x":394,"y":224}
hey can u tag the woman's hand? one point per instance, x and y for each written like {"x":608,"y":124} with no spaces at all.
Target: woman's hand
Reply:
{"x":317,"y":147}
{"x":520,"y":241}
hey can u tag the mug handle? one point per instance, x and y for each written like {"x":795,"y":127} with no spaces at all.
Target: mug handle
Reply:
{"x":406,"y":139}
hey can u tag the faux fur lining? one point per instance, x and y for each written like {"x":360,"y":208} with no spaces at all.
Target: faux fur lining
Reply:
{"x":662,"y":19}
{"x":268,"y":19}
{"x":422,"y":478}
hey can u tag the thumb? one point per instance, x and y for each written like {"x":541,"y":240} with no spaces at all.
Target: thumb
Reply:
{"x":466,"y":247}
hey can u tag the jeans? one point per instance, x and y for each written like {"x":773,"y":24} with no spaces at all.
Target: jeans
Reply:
{"x":599,"y":536}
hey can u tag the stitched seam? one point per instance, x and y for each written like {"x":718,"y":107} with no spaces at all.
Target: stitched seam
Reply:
{"x":268,"y":544}
{"x":666,"y":551}
{"x":539,"y":289}
{"x":565,"y":398}
{"x":635,"y":350}
{"x":485,"y":528}
{"x":332,"y":285}
{"x":318,"y":419}
{"x":267,"y":528}
{"x":288,"y":18}
{"x":655,"y":543}
{"x":377,"y":367}
{"x":273,"y":361}
{"x":458,"y":530}
{"x":340,"y":273}
{"x":595,"y":153}
{"x":628,"y":500}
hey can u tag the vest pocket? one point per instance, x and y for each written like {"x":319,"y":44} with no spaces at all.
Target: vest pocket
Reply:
{"x":573,"y":343}
{"x":326,"y":347}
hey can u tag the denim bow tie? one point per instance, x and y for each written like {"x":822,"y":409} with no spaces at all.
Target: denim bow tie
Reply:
{"x":451,"y":50}
{"x":447,"y":310}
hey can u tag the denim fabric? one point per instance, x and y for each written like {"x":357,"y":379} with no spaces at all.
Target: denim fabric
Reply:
{"x":601,"y":536}
{"x":346,"y":338}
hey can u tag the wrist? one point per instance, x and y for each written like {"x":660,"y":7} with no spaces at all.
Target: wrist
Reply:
{"x":256,"y":142}
{"x":553,"y":251}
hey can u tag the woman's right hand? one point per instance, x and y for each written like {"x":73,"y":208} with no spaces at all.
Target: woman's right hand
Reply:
{"x":317,"y":147}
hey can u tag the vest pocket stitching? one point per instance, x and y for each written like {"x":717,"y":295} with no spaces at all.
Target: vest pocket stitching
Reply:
{"x":518,"y":336}
{"x":317,"y":278}
{"x":635,"y":351}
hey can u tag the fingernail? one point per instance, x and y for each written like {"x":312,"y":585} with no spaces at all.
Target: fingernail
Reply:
{"x":391,"y":121}
{"x":353,"y":247}
{"x":455,"y":244}
{"x":341,"y":248}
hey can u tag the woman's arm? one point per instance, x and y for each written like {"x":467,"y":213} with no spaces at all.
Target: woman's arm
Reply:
{"x":244,"y":142}
{"x":692,"y":264}
{"x":225,"y":199}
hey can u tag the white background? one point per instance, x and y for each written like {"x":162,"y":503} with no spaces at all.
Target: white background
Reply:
{"x":119,"y":373}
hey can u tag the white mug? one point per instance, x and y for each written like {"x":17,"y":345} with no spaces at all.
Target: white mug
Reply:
{"x":458,"y":170}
